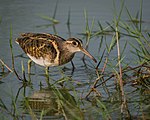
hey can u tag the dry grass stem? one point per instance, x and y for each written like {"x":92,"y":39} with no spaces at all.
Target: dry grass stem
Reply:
{"x":5,"y":65}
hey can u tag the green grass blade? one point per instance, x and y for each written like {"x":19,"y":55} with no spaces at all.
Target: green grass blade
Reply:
{"x":53,"y":20}
{"x":141,"y":13}
{"x":11,"y":48}
{"x":55,"y":11}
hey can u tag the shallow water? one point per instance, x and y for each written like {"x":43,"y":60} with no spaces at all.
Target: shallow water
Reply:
{"x":23,"y":16}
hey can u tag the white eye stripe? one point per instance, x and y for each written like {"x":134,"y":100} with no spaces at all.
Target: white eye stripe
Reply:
{"x":74,"y":41}
{"x":78,"y":40}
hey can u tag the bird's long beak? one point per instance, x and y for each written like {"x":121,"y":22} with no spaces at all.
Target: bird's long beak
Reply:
{"x":88,"y":54}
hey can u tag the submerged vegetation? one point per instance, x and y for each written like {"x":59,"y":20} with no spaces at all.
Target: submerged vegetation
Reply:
{"x":117,"y":89}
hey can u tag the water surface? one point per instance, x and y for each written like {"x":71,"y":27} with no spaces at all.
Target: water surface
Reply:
{"x":23,"y":16}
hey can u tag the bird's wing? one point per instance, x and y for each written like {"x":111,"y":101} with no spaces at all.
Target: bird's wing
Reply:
{"x":43,"y":35}
{"x":39,"y":45}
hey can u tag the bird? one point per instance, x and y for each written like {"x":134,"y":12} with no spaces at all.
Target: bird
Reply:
{"x":50,"y":50}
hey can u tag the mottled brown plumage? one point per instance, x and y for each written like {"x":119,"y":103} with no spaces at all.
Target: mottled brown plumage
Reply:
{"x":50,"y":50}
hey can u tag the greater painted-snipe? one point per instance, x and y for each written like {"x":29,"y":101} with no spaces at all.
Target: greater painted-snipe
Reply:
{"x":50,"y":50}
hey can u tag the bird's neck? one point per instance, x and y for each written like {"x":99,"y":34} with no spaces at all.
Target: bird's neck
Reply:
{"x":65,"y":56}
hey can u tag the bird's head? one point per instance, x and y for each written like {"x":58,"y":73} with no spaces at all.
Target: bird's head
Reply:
{"x":75,"y":45}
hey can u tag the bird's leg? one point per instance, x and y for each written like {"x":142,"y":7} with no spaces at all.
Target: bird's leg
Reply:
{"x":29,"y":66}
{"x":47,"y":71}
{"x":73,"y":67}
{"x":47,"y":76}
{"x":29,"y":69}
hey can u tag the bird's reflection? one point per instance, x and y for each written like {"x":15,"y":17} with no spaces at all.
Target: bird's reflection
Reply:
{"x":52,"y":102}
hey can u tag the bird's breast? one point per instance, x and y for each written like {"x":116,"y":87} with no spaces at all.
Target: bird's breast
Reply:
{"x":65,"y":57}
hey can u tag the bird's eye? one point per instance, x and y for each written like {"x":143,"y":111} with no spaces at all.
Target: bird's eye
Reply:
{"x":74,"y":43}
